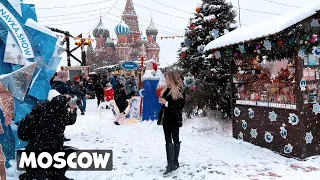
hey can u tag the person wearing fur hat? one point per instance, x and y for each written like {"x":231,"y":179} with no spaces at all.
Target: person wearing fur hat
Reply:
{"x":43,"y":129}
{"x":59,"y":84}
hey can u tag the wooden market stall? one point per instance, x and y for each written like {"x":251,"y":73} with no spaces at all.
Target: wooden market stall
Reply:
{"x":276,"y":78}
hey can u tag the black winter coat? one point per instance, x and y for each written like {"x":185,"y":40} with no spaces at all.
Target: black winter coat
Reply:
{"x":172,"y":115}
{"x":120,"y":97}
{"x":63,"y":88}
{"x":47,"y":121}
{"x":98,"y":88}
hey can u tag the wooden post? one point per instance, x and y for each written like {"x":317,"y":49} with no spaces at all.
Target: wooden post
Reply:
{"x":68,"y":50}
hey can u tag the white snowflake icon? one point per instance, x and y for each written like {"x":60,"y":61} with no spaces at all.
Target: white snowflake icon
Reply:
{"x":240,"y":136}
{"x":301,"y":53}
{"x":316,"y":108}
{"x":236,"y":112}
{"x":288,"y":149}
{"x":244,"y":124}
{"x":308,"y":138}
{"x":268,"y":137}
{"x":283,"y":132}
{"x":267,"y":45}
{"x":254,"y":133}
{"x":293,"y":119}
{"x":214,"y":33}
{"x":217,"y":54}
{"x":315,"y":23}
{"x":251,"y":113}
{"x":273,"y":116}
{"x":316,"y":51}
{"x":241,"y":48}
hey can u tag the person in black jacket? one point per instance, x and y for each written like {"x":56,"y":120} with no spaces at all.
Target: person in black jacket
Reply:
{"x":120,"y":97}
{"x":98,"y":88}
{"x":59,"y":84}
{"x":44,"y":130}
{"x":170,"y":116}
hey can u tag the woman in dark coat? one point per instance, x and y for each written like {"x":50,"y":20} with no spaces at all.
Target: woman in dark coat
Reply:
{"x":170,"y":116}
{"x":120,"y":97}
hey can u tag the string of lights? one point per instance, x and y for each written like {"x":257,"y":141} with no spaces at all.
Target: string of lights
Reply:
{"x":93,"y":10}
{"x":282,"y":4}
{"x":63,"y":7}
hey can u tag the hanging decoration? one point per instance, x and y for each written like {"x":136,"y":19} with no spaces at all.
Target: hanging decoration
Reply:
{"x":244,"y":124}
{"x":251,"y":113}
{"x":301,"y":54}
{"x":201,"y":48}
{"x":268,"y":137}
{"x":303,"y":84}
{"x":183,"y":55}
{"x":283,"y":132}
{"x":236,"y":112}
{"x":314,"y":39}
{"x":240,"y":136}
{"x":293,"y":119}
{"x":316,"y":51}
{"x":288,"y":149}
{"x":214,"y":33}
{"x":273,"y":116}
{"x":267,"y":45}
{"x":241,"y":48}
{"x":315,"y":23}
{"x":308,"y":138}
{"x":217,"y":54}
{"x":188,"y":79}
{"x":254,"y":133}
{"x":316,"y":108}
{"x":198,"y":9}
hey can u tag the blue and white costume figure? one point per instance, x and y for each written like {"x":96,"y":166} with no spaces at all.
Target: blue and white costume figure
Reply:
{"x":150,"y":104}
{"x":29,"y":56}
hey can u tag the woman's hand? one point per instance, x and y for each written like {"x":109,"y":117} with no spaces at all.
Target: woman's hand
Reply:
{"x":162,"y":100}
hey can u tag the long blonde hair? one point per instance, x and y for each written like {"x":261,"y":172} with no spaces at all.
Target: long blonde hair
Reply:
{"x":174,"y":82}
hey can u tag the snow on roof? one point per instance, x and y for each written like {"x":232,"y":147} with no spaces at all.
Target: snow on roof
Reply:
{"x":110,"y":66}
{"x":264,"y":28}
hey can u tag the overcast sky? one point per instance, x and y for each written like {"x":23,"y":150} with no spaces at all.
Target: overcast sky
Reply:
{"x":172,"y":20}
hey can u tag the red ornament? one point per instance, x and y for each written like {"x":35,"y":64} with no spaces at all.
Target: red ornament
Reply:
{"x":192,"y":26}
{"x":198,"y":9}
{"x":213,"y":19}
{"x":280,"y":42}
{"x":183,"y":55}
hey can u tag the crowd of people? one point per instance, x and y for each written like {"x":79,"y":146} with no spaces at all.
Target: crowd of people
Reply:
{"x":44,"y":127}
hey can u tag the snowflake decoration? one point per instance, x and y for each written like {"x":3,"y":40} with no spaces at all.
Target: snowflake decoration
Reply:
{"x":316,"y":108}
{"x":267,"y":45}
{"x":316,"y":51}
{"x":251,"y":113}
{"x":301,"y":54}
{"x":283,"y":132}
{"x":217,"y":54}
{"x":187,"y":42}
{"x":308,"y":138}
{"x":214,"y":33}
{"x":241,"y":48}
{"x":254,"y":133}
{"x":288,"y":149}
{"x":236,"y":112}
{"x":244,"y":124}
{"x":201,"y":48}
{"x":273,"y":116}
{"x":315,"y":23}
{"x":240,"y":136}
{"x":268,"y":137}
{"x":293,"y":119}
{"x":303,"y":84}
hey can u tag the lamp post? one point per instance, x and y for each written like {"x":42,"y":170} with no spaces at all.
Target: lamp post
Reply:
{"x":81,"y":42}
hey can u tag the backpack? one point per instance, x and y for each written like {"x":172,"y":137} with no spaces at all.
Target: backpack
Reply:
{"x":27,"y":126}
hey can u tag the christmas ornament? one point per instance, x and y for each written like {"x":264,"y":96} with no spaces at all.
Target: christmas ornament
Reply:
{"x":241,"y":48}
{"x":301,"y":53}
{"x":236,"y":112}
{"x":251,"y":113}
{"x":187,"y":42}
{"x":315,"y":23}
{"x":225,"y":31}
{"x":273,"y":116}
{"x":316,"y":51}
{"x":308,"y":138}
{"x":314,"y":39}
{"x":244,"y":124}
{"x":283,"y":132}
{"x":316,"y":108}
{"x":267,"y":45}
{"x":198,"y":9}
{"x":183,"y":55}
{"x":240,"y":136}
{"x":293,"y":119}
{"x":214,"y":33}
{"x":188,"y":79}
{"x":280,"y":42}
{"x":217,"y":54}
{"x":254,"y":133}
{"x":268,"y":137}
{"x":288,"y":149}
{"x":201,"y":48}
{"x":303,"y":84}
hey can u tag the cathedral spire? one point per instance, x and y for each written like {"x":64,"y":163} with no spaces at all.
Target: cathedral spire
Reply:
{"x":129,"y":9}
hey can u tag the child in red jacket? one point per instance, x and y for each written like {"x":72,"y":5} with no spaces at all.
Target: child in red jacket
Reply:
{"x":108,"y":93}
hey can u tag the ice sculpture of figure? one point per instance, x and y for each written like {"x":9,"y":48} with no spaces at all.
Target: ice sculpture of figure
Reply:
{"x":151,"y":79}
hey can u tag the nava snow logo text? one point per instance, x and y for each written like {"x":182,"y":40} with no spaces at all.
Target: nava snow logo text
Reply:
{"x":72,"y":160}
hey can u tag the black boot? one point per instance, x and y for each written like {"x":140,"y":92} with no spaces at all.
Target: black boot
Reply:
{"x":176,"y":151}
{"x":169,"y":168}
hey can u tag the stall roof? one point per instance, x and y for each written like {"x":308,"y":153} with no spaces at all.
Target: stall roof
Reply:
{"x":110,"y":66}
{"x":264,"y":28}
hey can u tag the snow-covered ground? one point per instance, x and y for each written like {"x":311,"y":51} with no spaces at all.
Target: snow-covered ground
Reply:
{"x":208,"y":152}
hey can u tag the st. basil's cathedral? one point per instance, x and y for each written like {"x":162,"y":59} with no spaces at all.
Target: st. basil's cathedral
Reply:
{"x":130,"y":44}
